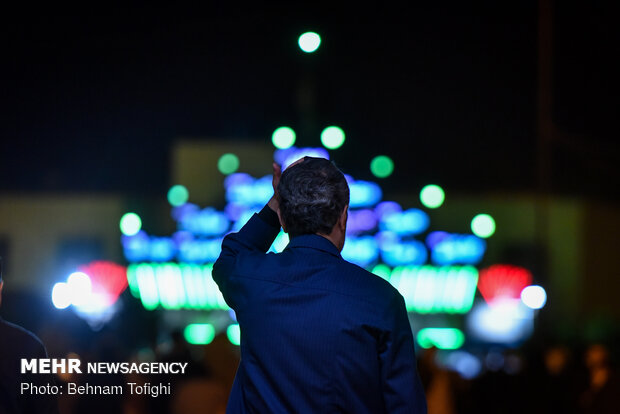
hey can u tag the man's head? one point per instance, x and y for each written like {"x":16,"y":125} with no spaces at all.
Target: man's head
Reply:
{"x":313,"y":196}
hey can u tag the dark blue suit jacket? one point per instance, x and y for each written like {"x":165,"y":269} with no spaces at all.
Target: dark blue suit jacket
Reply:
{"x":318,"y":334}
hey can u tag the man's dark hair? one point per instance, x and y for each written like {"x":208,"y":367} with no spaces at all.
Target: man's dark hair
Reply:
{"x":312,"y":195}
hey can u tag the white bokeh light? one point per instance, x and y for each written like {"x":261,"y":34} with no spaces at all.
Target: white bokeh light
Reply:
{"x":61,"y":295}
{"x":534,"y":297}
{"x":80,"y":287}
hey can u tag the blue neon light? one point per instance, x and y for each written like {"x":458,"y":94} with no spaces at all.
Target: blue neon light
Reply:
{"x":237,"y":179}
{"x":386,"y":207}
{"x":207,"y":222}
{"x":435,"y":237}
{"x":136,"y":247}
{"x":360,"y":250}
{"x":200,"y":250}
{"x":360,"y":221}
{"x":404,"y":253}
{"x":161,"y":249}
{"x":458,"y":249}
{"x":254,"y":192}
{"x":409,"y":222}
{"x":235,"y":211}
{"x":363,"y":193}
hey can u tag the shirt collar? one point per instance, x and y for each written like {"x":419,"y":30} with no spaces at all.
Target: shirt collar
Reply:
{"x":314,"y":241}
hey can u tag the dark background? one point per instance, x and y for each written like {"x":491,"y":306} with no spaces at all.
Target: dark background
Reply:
{"x":476,"y":99}
{"x":450,"y":92}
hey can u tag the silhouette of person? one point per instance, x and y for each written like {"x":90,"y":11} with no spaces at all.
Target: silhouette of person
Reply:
{"x":17,"y":343}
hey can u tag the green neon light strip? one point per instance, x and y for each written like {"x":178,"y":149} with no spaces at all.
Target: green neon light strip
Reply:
{"x":199,"y":333}
{"x":442,"y":338}
{"x":175,"y":286}
{"x":430,"y":289}
{"x":132,"y":280}
{"x":234,"y":334}
{"x":426,"y":289}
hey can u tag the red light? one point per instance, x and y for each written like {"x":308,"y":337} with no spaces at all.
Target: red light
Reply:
{"x":503,"y":281}
{"x":107,"y":278}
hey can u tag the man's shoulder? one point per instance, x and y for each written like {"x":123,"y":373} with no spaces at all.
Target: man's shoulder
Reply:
{"x":380,"y":288}
{"x":19,"y":336}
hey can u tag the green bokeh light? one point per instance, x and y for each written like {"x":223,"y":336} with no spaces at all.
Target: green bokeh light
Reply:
{"x":332,"y":137}
{"x":382,"y":270}
{"x":283,"y":137}
{"x":483,"y":225}
{"x":309,"y":42}
{"x":130,"y":224}
{"x":432,"y":196}
{"x":234,"y":334}
{"x":228,"y":163}
{"x":199,"y":333}
{"x":178,"y":195}
{"x":442,"y":338}
{"x":382,"y":166}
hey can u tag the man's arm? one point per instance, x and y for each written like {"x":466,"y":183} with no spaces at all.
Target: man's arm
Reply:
{"x":256,"y":235}
{"x":402,"y":389}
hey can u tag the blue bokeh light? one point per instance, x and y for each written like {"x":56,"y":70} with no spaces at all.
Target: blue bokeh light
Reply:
{"x":409,"y":222}
{"x":457,"y":248}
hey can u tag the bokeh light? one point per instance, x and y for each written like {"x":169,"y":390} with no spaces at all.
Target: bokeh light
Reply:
{"x":309,"y":42}
{"x":467,"y":365}
{"x":61,"y":295}
{"x":130,"y":224}
{"x":501,"y":281}
{"x":228,"y":163}
{"x":382,"y":270}
{"x":234,"y":334}
{"x":80,"y":288}
{"x":332,"y":137}
{"x":178,"y":195}
{"x":534,"y":297}
{"x":381,"y":166}
{"x":283,"y":137}
{"x":483,"y":225}
{"x":432,"y":196}
{"x":442,"y":338}
{"x":506,"y":322}
{"x":199,"y":333}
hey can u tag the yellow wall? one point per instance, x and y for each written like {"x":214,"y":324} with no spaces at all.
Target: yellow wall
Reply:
{"x":194,"y":165}
{"x":34,"y":225}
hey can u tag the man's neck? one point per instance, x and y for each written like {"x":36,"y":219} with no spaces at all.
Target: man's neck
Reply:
{"x":334,"y":239}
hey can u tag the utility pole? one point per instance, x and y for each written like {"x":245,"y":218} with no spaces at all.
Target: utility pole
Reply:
{"x":546,"y":128}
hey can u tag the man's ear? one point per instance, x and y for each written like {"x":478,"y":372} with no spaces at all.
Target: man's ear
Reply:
{"x":342,"y":221}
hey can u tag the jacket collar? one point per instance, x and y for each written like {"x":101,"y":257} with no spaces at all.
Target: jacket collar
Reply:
{"x":314,"y":241}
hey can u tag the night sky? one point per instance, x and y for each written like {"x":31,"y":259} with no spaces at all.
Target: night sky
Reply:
{"x":450,"y":93}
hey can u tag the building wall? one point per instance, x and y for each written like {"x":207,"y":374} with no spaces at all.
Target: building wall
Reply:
{"x":194,"y":165}
{"x":44,"y":236}
{"x":601,"y":274}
